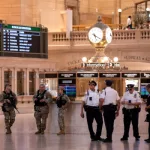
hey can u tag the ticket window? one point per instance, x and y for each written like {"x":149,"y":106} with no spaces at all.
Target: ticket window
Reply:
{"x":143,"y":91}
{"x":51,"y":85}
{"x":136,"y":83}
{"x":31,"y":83}
{"x":7,"y":77}
{"x":20,"y":83}
{"x":116,"y":84}
{"x":83,"y":85}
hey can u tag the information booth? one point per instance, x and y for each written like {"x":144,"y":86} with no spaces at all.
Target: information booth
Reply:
{"x":131,"y":78}
{"x":83,"y":82}
{"x":115,"y":77}
{"x":145,"y":79}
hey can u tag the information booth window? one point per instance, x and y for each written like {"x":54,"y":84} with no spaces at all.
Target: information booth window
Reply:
{"x":131,"y":78}
{"x":83,"y":82}
{"x":31,"y":83}
{"x":51,"y":82}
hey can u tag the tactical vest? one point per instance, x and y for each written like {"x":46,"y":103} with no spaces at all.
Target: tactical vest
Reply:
{"x":61,"y":102}
{"x":9,"y":96}
{"x":40,"y":96}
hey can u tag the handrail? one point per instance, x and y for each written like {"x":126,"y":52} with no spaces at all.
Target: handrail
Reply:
{"x":86,"y":27}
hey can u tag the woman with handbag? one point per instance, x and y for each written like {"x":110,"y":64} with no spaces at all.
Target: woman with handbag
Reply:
{"x":148,"y":110}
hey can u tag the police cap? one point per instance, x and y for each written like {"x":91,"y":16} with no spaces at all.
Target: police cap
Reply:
{"x":130,"y":86}
{"x":108,"y":82}
{"x":92,"y":83}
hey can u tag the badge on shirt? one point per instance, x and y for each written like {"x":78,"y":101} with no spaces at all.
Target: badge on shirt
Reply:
{"x":135,"y":95}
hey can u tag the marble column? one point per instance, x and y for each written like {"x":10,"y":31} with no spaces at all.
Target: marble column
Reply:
{"x":36,"y":80}
{"x":14,"y":80}
{"x":27,"y":81}
{"x":1,"y":80}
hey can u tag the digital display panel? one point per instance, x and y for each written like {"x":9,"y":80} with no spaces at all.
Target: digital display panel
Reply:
{"x":69,"y":86}
{"x":144,"y":92}
{"x":23,"y":41}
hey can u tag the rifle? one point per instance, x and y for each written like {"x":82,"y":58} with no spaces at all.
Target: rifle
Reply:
{"x":14,"y":105}
{"x":12,"y":102}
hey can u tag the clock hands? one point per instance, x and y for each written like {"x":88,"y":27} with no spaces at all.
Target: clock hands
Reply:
{"x":96,"y":36}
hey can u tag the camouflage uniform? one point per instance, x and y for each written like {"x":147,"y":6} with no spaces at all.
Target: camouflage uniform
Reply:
{"x":61,"y":112}
{"x":41,"y":112}
{"x":10,"y":112}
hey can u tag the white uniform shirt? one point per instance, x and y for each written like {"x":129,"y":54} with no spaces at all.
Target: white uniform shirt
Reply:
{"x":110,"y":96}
{"x":92,"y":98}
{"x":134,"y":97}
{"x":129,"y":21}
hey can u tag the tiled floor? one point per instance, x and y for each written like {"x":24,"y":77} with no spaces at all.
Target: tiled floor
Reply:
{"x":77,"y":137}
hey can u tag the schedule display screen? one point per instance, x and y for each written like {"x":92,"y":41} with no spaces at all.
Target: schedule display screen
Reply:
{"x":25,"y":40}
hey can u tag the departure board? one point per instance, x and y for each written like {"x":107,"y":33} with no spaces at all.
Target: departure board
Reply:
{"x":23,"y":41}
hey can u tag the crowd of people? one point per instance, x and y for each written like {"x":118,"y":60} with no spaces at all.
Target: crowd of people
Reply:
{"x":99,"y":106}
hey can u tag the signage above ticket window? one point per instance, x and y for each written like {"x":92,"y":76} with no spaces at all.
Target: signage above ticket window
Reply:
{"x":87,"y":75}
{"x":131,"y":75}
{"x":67,"y":75}
{"x":109,"y":75}
{"x":145,"y":75}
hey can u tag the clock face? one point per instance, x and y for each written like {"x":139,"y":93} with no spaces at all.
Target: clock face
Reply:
{"x":95,"y":35}
{"x":108,"y":35}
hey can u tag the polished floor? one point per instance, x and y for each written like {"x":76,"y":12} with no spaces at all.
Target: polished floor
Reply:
{"x":77,"y":137}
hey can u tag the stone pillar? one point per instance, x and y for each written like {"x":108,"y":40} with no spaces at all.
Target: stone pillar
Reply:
{"x":27,"y":81}
{"x":2,"y":74}
{"x":37,"y":80}
{"x":1,"y":81}
{"x":14,"y":80}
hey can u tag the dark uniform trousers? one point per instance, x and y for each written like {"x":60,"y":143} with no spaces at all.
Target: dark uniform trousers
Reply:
{"x":131,"y":115}
{"x":91,"y":114}
{"x":149,"y":130}
{"x":109,"y":118}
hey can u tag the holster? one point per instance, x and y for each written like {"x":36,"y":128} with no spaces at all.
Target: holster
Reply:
{"x":123,"y":110}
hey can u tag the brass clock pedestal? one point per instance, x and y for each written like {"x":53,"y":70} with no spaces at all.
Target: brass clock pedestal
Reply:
{"x":99,"y":56}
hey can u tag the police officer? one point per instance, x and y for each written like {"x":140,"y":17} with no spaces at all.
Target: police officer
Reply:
{"x":62,"y":102}
{"x":9,"y":100}
{"x":110,"y":105}
{"x":91,"y":105}
{"x":148,"y":110}
{"x":41,"y":100}
{"x":131,"y":101}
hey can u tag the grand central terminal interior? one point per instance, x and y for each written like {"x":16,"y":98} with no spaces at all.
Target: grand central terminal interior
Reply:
{"x":68,"y":43}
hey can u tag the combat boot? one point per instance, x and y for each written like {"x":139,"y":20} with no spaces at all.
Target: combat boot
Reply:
{"x":38,"y":132}
{"x":8,"y":131}
{"x":42,"y":131}
{"x":61,"y":132}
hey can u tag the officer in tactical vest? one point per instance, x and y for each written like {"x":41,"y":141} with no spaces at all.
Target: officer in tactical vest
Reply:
{"x":62,"y":103}
{"x":9,"y":100}
{"x":41,"y":99}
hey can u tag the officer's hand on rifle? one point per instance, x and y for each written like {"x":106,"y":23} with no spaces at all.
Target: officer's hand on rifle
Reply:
{"x":7,"y":101}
